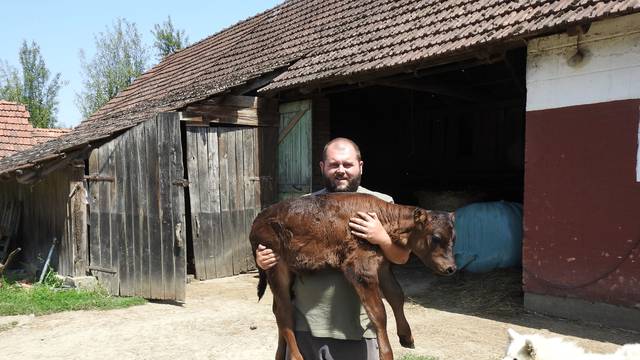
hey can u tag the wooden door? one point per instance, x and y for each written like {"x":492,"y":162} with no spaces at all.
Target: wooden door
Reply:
{"x":294,"y":150}
{"x":224,"y":196}
{"x":137,"y":232}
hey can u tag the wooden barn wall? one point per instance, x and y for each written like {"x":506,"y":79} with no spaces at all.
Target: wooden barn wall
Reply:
{"x":137,"y":226}
{"x":230,"y":160}
{"x":225,"y":192}
{"x":45,"y":209}
{"x":582,"y":175}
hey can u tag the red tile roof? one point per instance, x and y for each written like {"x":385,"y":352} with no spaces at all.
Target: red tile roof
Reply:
{"x":15,"y":129}
{"x":42,"y":135}
{"x":313,"y":42}
{"x":16,"y":133}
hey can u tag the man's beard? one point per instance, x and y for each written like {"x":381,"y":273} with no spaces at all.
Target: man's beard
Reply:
{"x":352,"y":186}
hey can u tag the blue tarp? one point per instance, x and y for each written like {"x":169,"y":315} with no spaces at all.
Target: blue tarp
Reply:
{"x":488,"y":236}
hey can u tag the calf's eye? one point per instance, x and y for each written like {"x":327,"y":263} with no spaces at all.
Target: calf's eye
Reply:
{"x":436,"y":239}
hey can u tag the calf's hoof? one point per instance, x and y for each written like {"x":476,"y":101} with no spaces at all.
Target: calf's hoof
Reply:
{"x":407,"y":341}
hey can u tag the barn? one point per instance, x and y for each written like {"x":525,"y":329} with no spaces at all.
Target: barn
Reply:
{"x":527,"y":101}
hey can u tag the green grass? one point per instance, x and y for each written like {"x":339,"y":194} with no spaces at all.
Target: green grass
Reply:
{"x":43,"y":299}
{"x":417,"y":357}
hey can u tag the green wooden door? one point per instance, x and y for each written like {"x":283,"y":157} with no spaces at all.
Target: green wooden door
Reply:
{"x":294,"y":149}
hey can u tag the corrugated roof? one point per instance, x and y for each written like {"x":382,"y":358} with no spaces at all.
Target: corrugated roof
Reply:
{"x":317,"y":41}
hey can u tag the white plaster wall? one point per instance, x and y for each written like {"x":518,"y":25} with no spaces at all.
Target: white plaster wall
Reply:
{"x":609,"y":71}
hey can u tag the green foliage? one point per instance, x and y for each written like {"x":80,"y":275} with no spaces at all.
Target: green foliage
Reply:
{"x":42,"y":299}
{"x":33,"y":86}
{"x":168,"y":40}
{"x":120,"y":58}
{"x":51,"y":280}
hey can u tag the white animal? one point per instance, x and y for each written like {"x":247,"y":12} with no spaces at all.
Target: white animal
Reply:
{"x":537,"y":347}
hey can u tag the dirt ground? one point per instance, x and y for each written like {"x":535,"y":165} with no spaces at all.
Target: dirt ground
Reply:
{"x":458,"y":318}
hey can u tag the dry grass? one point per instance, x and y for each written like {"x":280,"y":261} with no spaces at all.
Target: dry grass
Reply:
{"x":496,"y":294}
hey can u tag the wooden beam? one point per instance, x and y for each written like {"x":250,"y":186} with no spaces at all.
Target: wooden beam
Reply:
{"x":434,"y":89}
{"x":257,"y":83}
{"x":233,"y":109}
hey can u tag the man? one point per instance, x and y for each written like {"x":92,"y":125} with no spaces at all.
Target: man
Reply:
{"x":330,"y":320}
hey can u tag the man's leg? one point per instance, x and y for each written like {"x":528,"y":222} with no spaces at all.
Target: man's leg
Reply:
{"x":315,"y":348}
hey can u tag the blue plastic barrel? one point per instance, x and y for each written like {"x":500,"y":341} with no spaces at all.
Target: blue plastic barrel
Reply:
{"x":488,"y":236}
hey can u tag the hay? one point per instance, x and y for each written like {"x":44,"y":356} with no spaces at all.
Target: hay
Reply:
{"x":497,"y":293}
{"x":448,"y":200}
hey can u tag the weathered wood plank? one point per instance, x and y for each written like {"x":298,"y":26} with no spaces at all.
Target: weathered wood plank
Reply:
{"x":268,"y":138}
{"x":205,"y":226}
{"x":112,"y":244}
{"x":153,"y":184}
{"x":193,"y":134}
{"x":143,"y":191}
{"x":178,"y":211}
{"x":250,"y":186}
{"x":120,"y":223}
{"x":94,"y":212}
{"x":239,"y":210}
{"x":216,"y":239}
{"x":133,"y":216}
{"x":227,"y":150}
{"x":130,"y":216}
{"x":78,"y":236}
{"x":294,"y":150}
{"x":165,"y":152}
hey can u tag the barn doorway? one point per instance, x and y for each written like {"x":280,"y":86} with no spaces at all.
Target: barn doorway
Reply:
{"x":458,"y":130}
{"x":223,"y":197}
{"x":443,"y":138}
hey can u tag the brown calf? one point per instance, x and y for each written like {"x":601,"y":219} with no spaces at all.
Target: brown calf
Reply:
{"x":312,"y":233}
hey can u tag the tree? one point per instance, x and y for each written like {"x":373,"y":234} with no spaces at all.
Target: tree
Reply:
{"x":167,"y":39}
{"x":34,"y":87}
{"x":120,"y":58}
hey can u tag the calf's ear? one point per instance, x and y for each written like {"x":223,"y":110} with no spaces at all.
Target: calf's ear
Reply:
{"x":513,"y":334}
{"x":420,"y":216}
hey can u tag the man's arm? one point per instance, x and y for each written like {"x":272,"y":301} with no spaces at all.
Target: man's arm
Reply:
{"x":369,"y":227}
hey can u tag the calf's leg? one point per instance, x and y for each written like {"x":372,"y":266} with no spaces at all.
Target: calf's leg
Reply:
{"x":280,"y":282}
{"x":369,"y":293}
{"x":395,"y":296}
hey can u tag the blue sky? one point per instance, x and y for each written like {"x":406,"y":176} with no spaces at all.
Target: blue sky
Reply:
{"x":63,"y":27}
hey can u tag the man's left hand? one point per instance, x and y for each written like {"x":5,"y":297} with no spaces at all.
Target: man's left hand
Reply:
{"x":368,"y":227}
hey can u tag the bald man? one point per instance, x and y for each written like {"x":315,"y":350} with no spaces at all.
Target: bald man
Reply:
{"x":330,"y":320}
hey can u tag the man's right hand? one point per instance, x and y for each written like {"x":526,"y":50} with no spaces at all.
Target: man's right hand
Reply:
{"x":266,"y":258}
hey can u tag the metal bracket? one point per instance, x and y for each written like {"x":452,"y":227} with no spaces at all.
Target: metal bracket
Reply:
{"x":181,"y":182}
{"x":99,"y":178}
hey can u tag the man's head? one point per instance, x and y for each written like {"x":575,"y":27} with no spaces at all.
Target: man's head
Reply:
{"x":341,"y":165}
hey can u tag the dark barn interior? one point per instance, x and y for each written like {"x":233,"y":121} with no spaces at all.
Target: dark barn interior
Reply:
{"x":457,"y":129}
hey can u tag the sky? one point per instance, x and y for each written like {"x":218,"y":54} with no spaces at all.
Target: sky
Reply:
{"x":62,"y":27}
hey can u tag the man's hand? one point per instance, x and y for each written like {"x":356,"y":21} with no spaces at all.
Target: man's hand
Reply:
{"x":266,"y":258}
{"x":368,"y":227}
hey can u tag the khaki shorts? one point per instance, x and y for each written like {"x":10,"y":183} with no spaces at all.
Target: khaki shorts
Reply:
{"x":317,"y":348}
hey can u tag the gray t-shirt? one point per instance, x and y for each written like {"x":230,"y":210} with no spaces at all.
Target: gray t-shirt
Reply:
{"x":327,"y":305}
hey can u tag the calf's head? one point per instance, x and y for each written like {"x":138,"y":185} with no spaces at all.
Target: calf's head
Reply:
{"x":431,"y":240}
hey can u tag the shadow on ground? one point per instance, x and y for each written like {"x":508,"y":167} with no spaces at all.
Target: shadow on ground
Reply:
{"x":496,"y":295}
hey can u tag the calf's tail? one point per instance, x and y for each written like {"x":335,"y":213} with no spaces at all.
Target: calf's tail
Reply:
{"x":262,"y":283}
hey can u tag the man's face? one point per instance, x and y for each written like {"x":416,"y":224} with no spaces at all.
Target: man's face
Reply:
{"x":341,"y":170}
